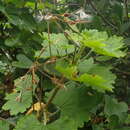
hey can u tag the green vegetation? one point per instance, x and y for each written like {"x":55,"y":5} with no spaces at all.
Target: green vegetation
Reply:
{"x":64,"y":65}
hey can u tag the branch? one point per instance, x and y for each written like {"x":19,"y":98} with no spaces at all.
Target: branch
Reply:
{"x":59,"y":85}
{"x":103,"y":18}
{"x":126,"y":9}
{"x":53,"y":96}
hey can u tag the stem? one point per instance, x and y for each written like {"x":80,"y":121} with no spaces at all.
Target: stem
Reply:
{"x":126,"y":9}
{"x":48,"y":24}
{"x":55,"y":91}
{"x":88,"y":54}
{"x":66,"y":34}
{"x":77,"y":57}
{"x":103,"y":18}
{"x":36,"y":4}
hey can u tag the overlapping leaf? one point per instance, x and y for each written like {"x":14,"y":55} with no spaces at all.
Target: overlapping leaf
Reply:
{"x":17,"y":104}
{"x":74,"y":104}
{"x":112,"y":107}
{"x":94,"y":75}
{"x":18,"y":17}
{"x":58,"y":46}
{"x":74,"y":100}
{"x":31,"y":123}
{"x":21,"y":99}
{"x":102,"y":44}
{"x":23,"y":62}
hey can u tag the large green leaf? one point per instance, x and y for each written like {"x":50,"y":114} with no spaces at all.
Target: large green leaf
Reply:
{"x":58,"y":46}
{"x":86,"y":65}
{"x":23,"y":62}
{"x":74,"y":104}
{"x":96,"y":76}
{"x":102,"y":44}
{"x":14,"y":105}
{"x":20,"y":17}
{"x":67,"y":70}
{"x":12,"y":41}
{"x":74,"y":100}
{"x":31,"y":123}
{"x":105,"y":73}
{"x":96,"y":82}
{"x":112,"y":107}
{"x":19,"y":101}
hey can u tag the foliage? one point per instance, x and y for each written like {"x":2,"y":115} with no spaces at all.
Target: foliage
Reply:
{"x":61,"y":68}
{"x":4,"y":125}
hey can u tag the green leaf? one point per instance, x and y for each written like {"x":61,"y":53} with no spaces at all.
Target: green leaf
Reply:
{"x":59,"y":46}
{"x":4,"y":125}
{"x":3,"y":67}
{"x":16,"y":2}
{"x":97,"y":127}
{"x":105,"y":73}
{"x":65,"y":123}
{"x":67,"y":70}
{"x":47,"y":84}
{"x":23,"y":62}
{"x":103,"y":58}
{"x":113,"y":121}
{"x":112,"y":107}
{"x":102,"y":44}
{"x":123,"y":128}
{"x":22,"y":97}
{"x":28,"y":122}
{"x":12,"y":41}
{"x":85,"y":65}
{"x":128,"y":120}
{"x":25,"y":82}
{"x":14,"y":105}
{"x":31,"y":123}
{"x":96,"y":82}
{"x":2,"y":8}
{"x":124,"y":27}
{"x":74,"y":100}
{"x":21,"y":18}
{"x":98,"y":77}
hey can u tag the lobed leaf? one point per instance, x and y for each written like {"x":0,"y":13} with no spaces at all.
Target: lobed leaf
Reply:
{"x":102,"y":44}
{"x":59,"y":46}
{"x":21,"y":99}
{"x":112,"y":107}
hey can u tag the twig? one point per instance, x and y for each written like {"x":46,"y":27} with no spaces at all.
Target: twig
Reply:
{"x":59,"y":85}
{"x":48,"y":24}
{"x":103,"y":18}
{"x":89,"y":53}
{"x":66,"y":34}
{"x":55,"y":91}
{"x":126,"y":9}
